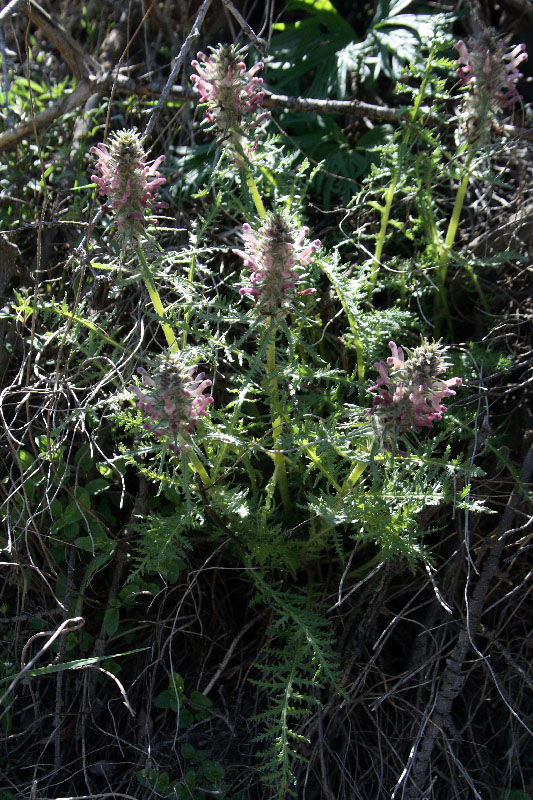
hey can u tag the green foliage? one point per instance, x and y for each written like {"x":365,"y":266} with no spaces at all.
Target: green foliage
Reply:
{"x":203,"y":777}
{"x":301,"y":665}
{"x":162,"y":545}
{"x":189,"y":709}
{"x":513,"y":794}
{"x":393,"y":41}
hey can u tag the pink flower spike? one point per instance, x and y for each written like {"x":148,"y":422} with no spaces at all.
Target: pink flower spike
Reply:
{"x":123,"y":179}
{"x":409,"y":392}
{"x":232,"y":95}
{"x":491,"y":75}
{"x":275,"y":256}
{"x":176,"y":399}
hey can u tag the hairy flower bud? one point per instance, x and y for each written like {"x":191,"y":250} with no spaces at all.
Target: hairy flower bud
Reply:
{"x":231,"y":93}
{"x":129,"y":181}
{"x":491,"y":75}
{"x":410,"y":391}
{"x":175,"y":398}
{"x":274,"y":256}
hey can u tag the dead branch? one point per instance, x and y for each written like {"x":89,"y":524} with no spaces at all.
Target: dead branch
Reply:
{"x":93,"y":78}
{"x":194,"y":33}
{"x":68,"y":103}
{"x":10,"y":9}
{"x":124,"y":84}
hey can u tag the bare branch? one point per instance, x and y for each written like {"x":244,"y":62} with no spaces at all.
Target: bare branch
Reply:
{"x":193,"y":34}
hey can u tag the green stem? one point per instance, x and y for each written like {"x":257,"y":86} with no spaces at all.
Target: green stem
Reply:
{"x":389,"y":196}
{"x":454,"y":223}
{"x":352,"y":478}
{"x":187,"y":316}
{"x":233,"y":423}
{"x":311,"y":452}
{"x":351,"y":320}
{"x":441,"y":301}
{"x":172,"y":345}
{"x":256,"y":197}
{"x":385,"y":214}
{"x":156,"y":301}
{"x":342,"y":492}
{"x":278,"y":458}
{"x":199,"y":468}
{"x":88,"y":324}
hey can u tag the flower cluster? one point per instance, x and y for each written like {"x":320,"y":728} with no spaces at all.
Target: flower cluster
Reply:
{"x":410,"y":391}
{"x":176,"y":398}
{"x":491,"y":74}
{"x":273,"y":255}
{"x":129,"y":181}
{"x":232,"y":93}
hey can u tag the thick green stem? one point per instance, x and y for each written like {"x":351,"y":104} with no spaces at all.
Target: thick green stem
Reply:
{"x":446,"y":249}
{"x":156,"y":301}
{"x":352,"y":478}
{"x":256,"y":197}
{"x":454,"y":223}
{"x":278,"y":458}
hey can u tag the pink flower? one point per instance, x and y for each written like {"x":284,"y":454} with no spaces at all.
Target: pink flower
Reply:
{"x":410,"y":391}
{"x":176,"y":399}
{"x":274,"y":257}
{"x":232,"y":93}
{"x":491,"y":75}
{"x":129,"y":181}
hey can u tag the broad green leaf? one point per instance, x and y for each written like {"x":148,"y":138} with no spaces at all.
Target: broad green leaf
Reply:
{"x":26,"y":459}
{"x":111,"y":621}
{"x":326,"y":13}
{"x":96,"y":486}
{"x":199,"y":699}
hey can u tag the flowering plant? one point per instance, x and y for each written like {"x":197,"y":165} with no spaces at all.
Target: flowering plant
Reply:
{"x":274,"y":254}
{"x":231,"y":93}
{"x":176,"y":399}
{"x":410,"y":391}
{"x":491,"y":75}
{"x":129,"y":181}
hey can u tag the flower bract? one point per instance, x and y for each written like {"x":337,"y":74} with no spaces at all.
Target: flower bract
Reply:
{"x":232,"y":94}
{"x":491,"y":74}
